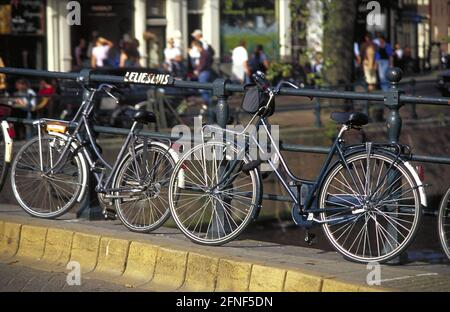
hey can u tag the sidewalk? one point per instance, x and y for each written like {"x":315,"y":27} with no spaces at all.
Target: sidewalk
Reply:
{"x":166,"y":261}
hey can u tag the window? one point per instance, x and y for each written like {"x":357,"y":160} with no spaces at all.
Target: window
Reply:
{"x":156,"y":8}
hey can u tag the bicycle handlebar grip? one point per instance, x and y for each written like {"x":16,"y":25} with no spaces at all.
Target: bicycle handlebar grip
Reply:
{"x":260,"y":80}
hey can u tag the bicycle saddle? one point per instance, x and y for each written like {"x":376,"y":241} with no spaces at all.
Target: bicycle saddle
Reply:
{"x":144,"y":117}
{"x":350,"y":119}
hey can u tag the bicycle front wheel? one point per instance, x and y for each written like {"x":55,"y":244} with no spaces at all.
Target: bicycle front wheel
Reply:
{"x":371,"y":207}
{"x":39,"y":190}
{"x":143,"y":182}
{"x":444,"y":223}
{"x":211,"y":199}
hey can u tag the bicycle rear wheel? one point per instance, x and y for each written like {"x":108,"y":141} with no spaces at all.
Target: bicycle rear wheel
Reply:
{"x":41,"y":193}
{"x":145,"y":181}
{"x":444,"y":223}
{"x":4,"y":166}
{"x":378,"y":204}
{"x":212,"y":202}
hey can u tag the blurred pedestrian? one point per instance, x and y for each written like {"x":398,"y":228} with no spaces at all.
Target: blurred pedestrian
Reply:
{"x":173,"y":58}
{"x":100,"y":52}
{"x":81,"y":57}
{"x":258,"y":61}
{"x":198,"y":36}
{"x":23,"y":105}
{"x":398,"y":56}
{"x":370,"y":67}
{"x":240,"y":71}
{"x":366,"y":44}
{"x":129,"y":54}
{"x":204,"y":73}
{"x":384,"y":58}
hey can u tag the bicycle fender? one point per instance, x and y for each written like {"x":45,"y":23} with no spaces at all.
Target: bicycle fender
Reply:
{"x":8,"y":142}
{"x":423,"y":196}
{"x":84,"y":167}
{"x":412,"y":171}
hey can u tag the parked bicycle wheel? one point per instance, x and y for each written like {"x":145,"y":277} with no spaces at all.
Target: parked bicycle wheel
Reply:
{"x":4,"y":166}
{"x":444,"y":223}
{"x":42,"y":192}
{"x":383,"y":204}
{"x":145,"y":181}
{"x":211,"y":201}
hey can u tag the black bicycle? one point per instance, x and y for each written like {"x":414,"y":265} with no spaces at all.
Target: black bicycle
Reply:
{"x":367,"y":198}
{"x":50,"y":172}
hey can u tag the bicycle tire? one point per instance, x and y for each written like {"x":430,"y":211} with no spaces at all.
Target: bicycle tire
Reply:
{"x":48,"y":186}
{"x":220,"y":233}
{"x":4,"y":166}
{"x":393,"y":212}
{"x":444,"y":223}
{"x":157,"y":208}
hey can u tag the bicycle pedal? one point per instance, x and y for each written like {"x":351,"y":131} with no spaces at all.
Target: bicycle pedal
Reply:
{"x":109,"y":214}
{"x":311,"y":239}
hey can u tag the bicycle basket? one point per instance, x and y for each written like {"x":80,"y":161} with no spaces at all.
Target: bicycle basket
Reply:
{"x":253,"y":99}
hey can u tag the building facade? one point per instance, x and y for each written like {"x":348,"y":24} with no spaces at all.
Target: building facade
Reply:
{"x":36,"y":34}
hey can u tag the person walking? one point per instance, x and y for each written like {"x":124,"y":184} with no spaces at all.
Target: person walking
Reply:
{"x":384,"y":58}
{"x":173,"y":58}
{"x":258,"y":61}
{"x":100,"y":52}
{"x":204,"y":73}
{"x":129,"y":54}
{"x":370,"y":67}
{"x":81,"y":57}
{"x":240,"y":71}
{"x":398,"y":56}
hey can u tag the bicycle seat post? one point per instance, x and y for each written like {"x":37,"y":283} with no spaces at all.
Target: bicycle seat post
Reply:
{"x":89,"y":206}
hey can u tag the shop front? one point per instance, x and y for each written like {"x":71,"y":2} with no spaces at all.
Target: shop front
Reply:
{"x":22,"y":33}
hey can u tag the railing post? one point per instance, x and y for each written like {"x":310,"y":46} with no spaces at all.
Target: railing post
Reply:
{"x":394,"y":125}
{"x":317,"y":112}
{"x":413,"y":93}
{"x":29,"y":126}
{"x":222,"y":108}
{"x":392,"y":101}
{"x":90,"y":206}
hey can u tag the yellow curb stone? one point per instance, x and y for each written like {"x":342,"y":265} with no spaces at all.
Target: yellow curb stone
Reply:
{"x":170,"y":270}
{"x":300,"y":282}
{"x":9,"y":240}
{"x":32,"y":243}
{"x":331,"y":285}
{"x":112,"y":256}
{"x":233,"y":275}
{"x":201,"y":273}
{"x":266,"y":279}
{"x":85,"y":251}
{"x":58,"y":247}
{"x":140,"y":264}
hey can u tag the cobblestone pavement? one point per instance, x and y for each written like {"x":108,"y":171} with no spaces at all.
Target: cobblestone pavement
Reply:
{"x":15,"y":278}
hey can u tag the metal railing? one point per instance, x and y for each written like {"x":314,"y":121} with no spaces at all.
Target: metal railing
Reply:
{"x":393,"y":100}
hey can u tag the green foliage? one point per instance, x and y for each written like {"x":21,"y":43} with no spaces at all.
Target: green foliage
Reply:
{"x":278,"y":71}
{"x":331,"y":130}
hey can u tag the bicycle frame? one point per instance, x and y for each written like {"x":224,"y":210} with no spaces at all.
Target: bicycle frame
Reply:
{"x":81,"y":122}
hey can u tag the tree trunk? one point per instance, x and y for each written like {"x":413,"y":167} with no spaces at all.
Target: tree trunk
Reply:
{"x":338,"y":40}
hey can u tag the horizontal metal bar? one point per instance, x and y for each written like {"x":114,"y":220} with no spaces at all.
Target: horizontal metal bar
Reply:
{"x":284,"y":147}
{"x":330,"y":94}
{"x":424,"y":100}
{"x":39,"y":73}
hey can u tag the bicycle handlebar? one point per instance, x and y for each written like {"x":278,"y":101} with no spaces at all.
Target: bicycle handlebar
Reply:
{"x":261,"y":82}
